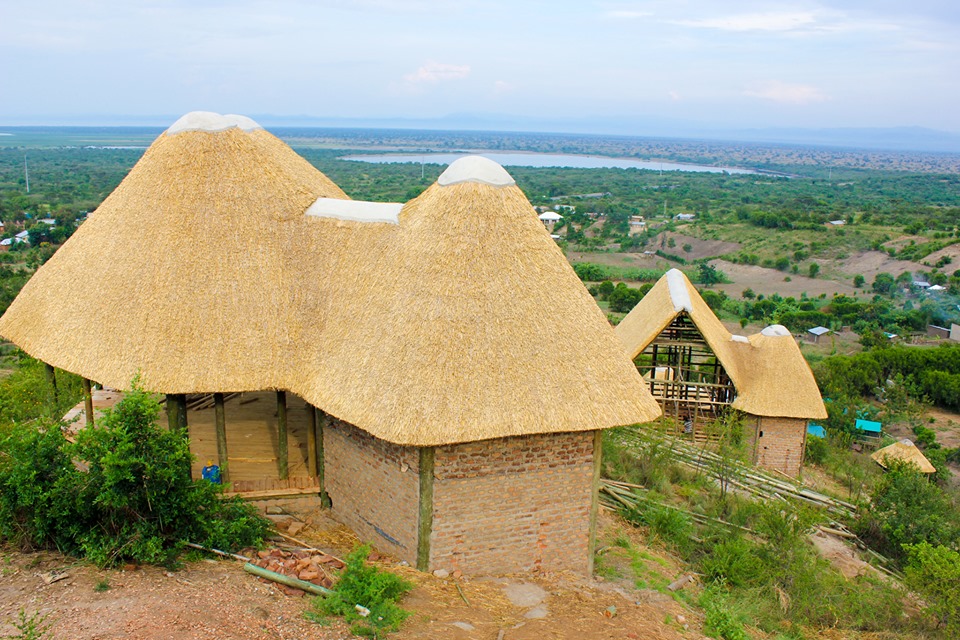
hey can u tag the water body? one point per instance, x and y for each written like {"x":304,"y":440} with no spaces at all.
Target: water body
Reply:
{"x":547,"y":160}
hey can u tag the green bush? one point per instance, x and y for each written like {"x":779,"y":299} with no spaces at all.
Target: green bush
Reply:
{"x":364,"y":585}
{"x":121,"y":493}
{"x":934,"y":572}
{"x":817,"y":450}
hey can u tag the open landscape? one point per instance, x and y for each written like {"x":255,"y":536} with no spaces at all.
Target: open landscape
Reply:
{"x":679,"y":554}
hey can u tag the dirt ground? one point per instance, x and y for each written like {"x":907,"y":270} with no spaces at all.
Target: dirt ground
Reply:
{"x":699,"y":249}
{"x":953,"y":252}
{"x":770,"y":281}
{"x":217,"y":599}
{"x":870,"y":263}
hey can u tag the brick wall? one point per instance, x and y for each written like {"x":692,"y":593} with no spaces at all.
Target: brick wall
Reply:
{"x":513,"y":505}
{"x":374,"y":487}
{"x":779,"y":443}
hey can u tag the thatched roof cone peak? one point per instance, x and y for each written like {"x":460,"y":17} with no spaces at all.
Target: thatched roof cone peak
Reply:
{"x":172,"y":275}
{"x":211,"y":122}
{"x":470,"y":324}
{"x":475,"y":169}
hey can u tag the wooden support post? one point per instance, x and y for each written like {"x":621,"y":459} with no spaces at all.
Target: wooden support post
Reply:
{"x":312,"y":440}
{"x":594,"y":497}
{"x":425,"y":527}
{"x":177,"y":411}
{"x":322,"y":421}
{"x":221,"y":421}
{"x":52,"y":398}
{"x":282,"y":462}
{"x":88,"y":403}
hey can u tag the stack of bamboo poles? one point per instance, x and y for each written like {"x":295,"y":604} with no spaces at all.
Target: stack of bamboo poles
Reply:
{"x":746,"y":478}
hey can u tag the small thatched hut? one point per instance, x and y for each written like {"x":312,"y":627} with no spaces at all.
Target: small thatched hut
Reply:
{"x":903,"y":451}
{"x":697,"y":370}
{"x":448,"y":374}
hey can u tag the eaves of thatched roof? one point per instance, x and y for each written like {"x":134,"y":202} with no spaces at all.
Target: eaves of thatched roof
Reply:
{"x":453,"y":318}
{"x":768,"y":371}
{"x":903,"y":451}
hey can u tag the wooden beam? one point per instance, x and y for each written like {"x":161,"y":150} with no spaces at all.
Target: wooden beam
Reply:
{"x":180,"y":402}
{"x":311,"y":440}
{"x":282,"y":460}
{"x":221,"y":426}
{"x":52,"y":399}
{"x":594,"y":497}
{"x":322,"y":421}
{"x":88,"y":403}
{"x":425,"y":526}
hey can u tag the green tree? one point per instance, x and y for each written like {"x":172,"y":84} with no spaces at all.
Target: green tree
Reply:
{"x":708,"y":274}
{"x":883,"y":283}
{"x":858,"y":281}
{"x":813,"y":270}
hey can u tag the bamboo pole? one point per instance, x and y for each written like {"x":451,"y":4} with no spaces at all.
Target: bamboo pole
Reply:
{"x":282,"y":462}
{"x":287,"y":580}
{"x":221,"y":426}
{"x":88,"y":403}
{"x":425,"y":526}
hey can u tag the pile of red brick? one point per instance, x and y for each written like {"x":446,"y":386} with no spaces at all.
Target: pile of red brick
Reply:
{"x":312,"y":566}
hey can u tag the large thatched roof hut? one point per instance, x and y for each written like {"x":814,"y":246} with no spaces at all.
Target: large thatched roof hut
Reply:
{"x":697,"y":370}
{"x":460,"y":369}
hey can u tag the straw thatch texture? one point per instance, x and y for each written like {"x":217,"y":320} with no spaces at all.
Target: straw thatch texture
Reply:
{"x":768,"y":371}
{"x":466,"y":322}
{"x":182,"y":273}
{"x":903,"y":451}
{"x":203,"y":273}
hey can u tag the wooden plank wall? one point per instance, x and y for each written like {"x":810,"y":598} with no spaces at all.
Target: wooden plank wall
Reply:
{"x":251,"y":420}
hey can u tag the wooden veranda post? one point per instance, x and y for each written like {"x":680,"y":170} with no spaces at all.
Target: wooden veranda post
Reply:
{"x":221,"y":421}
{"x":312,"y":453}
{"x":320,"y":422}
{"x":177,"y":411}
{"x":88,"y":403}
{"x":425,"y":527}
{"x":52,"y":398}
{"x":595,"y":496}
{"x":282,"y":463}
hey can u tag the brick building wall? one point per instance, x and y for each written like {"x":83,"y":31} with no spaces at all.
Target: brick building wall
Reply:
{"x":374,"y":487}
{"x":778,"y":443}
{"x":513,"y":505}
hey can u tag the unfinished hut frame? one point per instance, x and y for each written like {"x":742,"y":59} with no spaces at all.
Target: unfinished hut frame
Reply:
{"x":697,"y":371}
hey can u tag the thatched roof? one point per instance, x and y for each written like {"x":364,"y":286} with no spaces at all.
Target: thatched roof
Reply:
{"x":768,"y":371}
{"x":460,"y":320}
{"x":903,"y":451}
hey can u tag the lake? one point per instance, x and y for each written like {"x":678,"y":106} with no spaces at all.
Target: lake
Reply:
{"x":546,"y":160}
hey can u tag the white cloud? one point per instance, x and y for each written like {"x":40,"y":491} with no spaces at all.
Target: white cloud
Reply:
{"x":786,"y":93}
{"x":674,"y":96}
{"x":434,"y":72}
{"x":755,"y":22}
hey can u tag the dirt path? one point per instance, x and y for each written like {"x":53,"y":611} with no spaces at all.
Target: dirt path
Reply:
{"x":217,"y":599}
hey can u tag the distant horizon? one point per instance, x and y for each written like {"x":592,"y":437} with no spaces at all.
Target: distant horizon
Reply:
{"x":902,"y":138}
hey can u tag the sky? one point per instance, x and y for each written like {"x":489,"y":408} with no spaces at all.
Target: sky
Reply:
{"x":744,"y":64}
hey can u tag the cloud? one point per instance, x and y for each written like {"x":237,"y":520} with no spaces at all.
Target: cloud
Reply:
{"x":673,"y":95}
{"x":785,"y":93}
{"x":755,"y":22}
{"x":434,"y":72}
{"x":501,"y":86}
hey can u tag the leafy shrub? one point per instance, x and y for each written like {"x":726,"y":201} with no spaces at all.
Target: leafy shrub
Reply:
{"x":133,"y":500}
{"x":935,"y":573}
{"x":721,"y":622}
{"x":364,"y":585}
{"x":816,"y":450}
